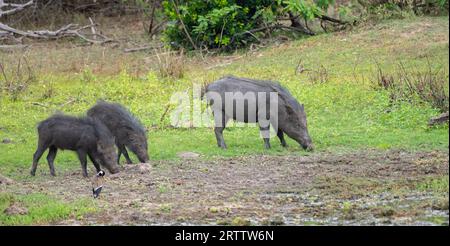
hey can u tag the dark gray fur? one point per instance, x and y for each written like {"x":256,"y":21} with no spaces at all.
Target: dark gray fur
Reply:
{"x":127,"y":130}
{"x":84,"y":135}
{"x":291,"y":114}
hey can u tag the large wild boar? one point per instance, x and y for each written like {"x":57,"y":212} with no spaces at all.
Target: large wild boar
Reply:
{"x":86,"y":136}
{"x":255,"y":101}
{"x":127,"y":130}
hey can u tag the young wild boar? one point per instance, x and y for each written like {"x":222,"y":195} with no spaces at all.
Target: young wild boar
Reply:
{"x":86,"y":136}
{"x":242,"y":100}
{"x":127,"y":130}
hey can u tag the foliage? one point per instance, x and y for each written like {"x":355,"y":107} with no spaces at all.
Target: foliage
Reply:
{"x":307,"y":9}
{"x":225,"y":23}
{"x":211,"y":24}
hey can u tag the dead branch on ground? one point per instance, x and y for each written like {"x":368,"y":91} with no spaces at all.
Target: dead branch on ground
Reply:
{"x":69,"y":30}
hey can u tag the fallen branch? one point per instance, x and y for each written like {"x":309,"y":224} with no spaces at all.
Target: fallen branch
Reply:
{"x":94,"y":32}
{"x":271,"y":28}
{"x":301,"y":30}
{"x":15,"y":7}
{"x":129,"y":50}
{"x":331,"y":19}
{"x":68,"y":102}
{"x":164,"y":114}
{"x":69,"y":30}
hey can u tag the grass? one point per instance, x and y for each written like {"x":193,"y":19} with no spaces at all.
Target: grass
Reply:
{"x":344,"y":113}
{"x":436,"y":184}
{"x":41,"y":209}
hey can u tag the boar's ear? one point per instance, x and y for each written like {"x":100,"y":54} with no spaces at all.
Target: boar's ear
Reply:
{"x":289,"y":109}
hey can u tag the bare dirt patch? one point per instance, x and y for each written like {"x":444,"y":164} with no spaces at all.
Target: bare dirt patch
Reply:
{"x":359,"y":188}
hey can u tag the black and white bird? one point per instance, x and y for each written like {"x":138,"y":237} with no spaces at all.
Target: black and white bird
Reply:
{"x":97,"y":183}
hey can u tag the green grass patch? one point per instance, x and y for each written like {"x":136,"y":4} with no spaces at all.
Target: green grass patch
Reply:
{"x":35,"y":209}
{"x":438,"y":185}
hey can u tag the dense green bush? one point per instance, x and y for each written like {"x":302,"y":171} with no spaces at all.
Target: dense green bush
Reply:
{"x":213,"y":24}
{"x":224,"y":23}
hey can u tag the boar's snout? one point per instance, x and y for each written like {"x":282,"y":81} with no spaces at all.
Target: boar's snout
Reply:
{"x":144,"y":158}
{"x":307,"y":144}
{"x":310,"y":147}
{"x":114,"y":170}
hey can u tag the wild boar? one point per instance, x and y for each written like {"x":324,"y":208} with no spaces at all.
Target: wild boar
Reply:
{"x":84,"y":135}
{"x":127,"y":130}
{"x":256,"y":101}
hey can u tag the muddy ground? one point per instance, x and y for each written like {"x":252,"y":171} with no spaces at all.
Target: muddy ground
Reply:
{"x":359,"y":188}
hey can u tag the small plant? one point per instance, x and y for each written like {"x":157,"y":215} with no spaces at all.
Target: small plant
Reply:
{"x":348,"y":211}
{"x":171,"y":64}
{"x":239,"y":221}
{"x":318,"y":76}
{"x":49,"y":91}
{"x":16,"y":80}
{"x":88,"y":76}
{"x":163,"y":188}
{"x":165,"y":208}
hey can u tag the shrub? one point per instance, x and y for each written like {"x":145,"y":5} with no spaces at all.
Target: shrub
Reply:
{"x":170,"y":64}
{"x":16,"y":78}
{"x":212,"y":24}
{"x":429,"y":86}
{"x":198,"y":24}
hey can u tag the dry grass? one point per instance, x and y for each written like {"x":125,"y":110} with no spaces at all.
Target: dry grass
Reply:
{"x":430,"y":85}
{"x":171,"y":64}
{"x":15,"y":78}
{"x":72,"y":56}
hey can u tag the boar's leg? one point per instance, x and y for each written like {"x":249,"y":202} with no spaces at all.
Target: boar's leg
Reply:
{"x":280,"y":135}
{"x":218,"y":130}
{"x":219,"y":137}
{"x":265,"y":133}
{"x":51,"y":158}
{"x":125,"y":153}
{"x":123,"y":150}
{"x":83,"y":161}
{"x":264,"y":129}
{"x":119,"y":153}
{"x":37,"y":155}
{"x":94,"y":161}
